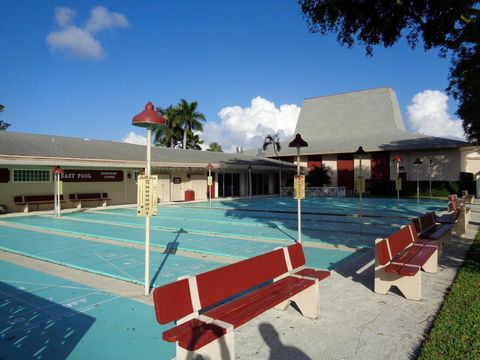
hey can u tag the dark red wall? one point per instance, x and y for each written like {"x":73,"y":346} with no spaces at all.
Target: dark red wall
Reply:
{"x":380,"y":165}
{"x":345,"y":170}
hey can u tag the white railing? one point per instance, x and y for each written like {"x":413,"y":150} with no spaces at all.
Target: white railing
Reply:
{"x":330,"y":191}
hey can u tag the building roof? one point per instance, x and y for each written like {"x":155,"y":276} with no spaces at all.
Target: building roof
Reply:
{"x":369,"y":118}
{"x":24,"y":148}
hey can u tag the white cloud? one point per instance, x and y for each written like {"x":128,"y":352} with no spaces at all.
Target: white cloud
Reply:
{"x":80,"y":41}
{"x":247,"y":127}
{"x":133,"y":138}
{"x":428,"y":114}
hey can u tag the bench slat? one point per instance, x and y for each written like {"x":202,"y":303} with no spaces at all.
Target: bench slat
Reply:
{"x":418,"y":260}
{"x":222,"y":283}
{"x":197,"y":334}
{"x":436,"y":232}
{"x":172,"y":301}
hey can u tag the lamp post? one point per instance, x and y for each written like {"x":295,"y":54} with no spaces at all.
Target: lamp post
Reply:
{"x":360,"y":154}
{"x":209,"y":182}
{"x":397,"y":159}
{"x":298,"y":143}
{"x":430,"y":166}
{"x":57,"y":190}
{"x":250,"y":181}
{"x":417,"y":163}
{"x":148,"y":119}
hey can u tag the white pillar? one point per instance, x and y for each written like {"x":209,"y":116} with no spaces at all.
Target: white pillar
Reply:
{"x":299,"y":206}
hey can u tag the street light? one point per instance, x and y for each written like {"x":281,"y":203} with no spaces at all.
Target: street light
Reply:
{"x":398,"y":182}
{"x":360,"y":154}
{"x":298,"y":143}
{"x":148,"y":119}
{"x":250,"y":181}
{"x":57,"y":189}
{"x":417,"y":163}
{"x":430,"y":166}
{"x":209,"y":182}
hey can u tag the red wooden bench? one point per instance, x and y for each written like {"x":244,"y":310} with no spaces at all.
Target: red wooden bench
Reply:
{"x":399,"y":259}
{"x":27,"y":200}
{"x":79,"y":198}
{"x":428,"y":228}
{"x":209,"y":306}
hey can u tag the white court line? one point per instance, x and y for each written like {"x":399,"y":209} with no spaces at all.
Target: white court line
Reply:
{"x":114,"y":266}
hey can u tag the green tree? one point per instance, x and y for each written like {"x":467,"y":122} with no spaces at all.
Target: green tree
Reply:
{"x":189,"y":119}
{"x":3,"y":125}
{"x":452,"y":26}
{"x":169,"y":135}
{"x":318,"y":176}
{"x":215,"y":147}
{"x":194,"y":142}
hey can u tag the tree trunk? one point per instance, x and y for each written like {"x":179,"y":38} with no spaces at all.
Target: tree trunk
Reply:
{"x":185,"y":138}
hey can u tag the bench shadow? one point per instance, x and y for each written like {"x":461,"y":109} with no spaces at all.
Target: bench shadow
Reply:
{"x":32,"y":327}
{"x":279,"y":351}
{"x":360,"y":267}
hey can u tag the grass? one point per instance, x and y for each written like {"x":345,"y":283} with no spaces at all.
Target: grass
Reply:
{"x":456,"y":331}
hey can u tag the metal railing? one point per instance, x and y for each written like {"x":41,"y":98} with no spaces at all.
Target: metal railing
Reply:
{"x":330,"y":191}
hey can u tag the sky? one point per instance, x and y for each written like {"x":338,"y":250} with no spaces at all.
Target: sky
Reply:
{"x":85,"y":68}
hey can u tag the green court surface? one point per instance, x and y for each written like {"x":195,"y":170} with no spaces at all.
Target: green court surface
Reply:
{"x":115,"y":261}
{"x":44,"y":317}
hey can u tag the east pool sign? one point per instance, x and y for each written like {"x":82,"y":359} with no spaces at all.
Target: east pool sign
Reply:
{"x":74,"y":175}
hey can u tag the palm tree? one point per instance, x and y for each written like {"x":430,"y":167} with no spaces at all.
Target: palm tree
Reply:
{"x":274,"y":140}
{"x":215,"y":147}
{"x":189,"y":118}
{"x":170,"y":134}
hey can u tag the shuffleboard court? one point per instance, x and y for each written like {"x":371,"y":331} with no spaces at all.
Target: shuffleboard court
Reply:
{"x":44,"y":317}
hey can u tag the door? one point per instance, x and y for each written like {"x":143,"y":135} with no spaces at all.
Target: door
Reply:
{"x":178,"y":193}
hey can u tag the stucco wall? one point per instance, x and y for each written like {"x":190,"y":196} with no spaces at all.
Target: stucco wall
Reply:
{"x":446,"y":165}
{"x":330,"y":161}
{"x":122,"y":192}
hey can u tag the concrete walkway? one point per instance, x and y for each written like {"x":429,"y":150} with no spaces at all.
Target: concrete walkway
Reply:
{"x":354,"y":322}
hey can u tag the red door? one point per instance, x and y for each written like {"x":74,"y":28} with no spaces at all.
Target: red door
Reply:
{"x":345,"y":170}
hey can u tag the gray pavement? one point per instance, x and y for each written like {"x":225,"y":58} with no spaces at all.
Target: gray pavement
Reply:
{"x":354,"y":322}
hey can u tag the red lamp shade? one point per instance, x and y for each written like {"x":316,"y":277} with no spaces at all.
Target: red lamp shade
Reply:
{"x":209,"y":166}
{"x":298,"y":142}
{"x":58,"y":170}
{"x":397,"y":158}
{"x":148,"y":117}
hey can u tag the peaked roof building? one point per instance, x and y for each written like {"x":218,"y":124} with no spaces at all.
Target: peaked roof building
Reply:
{"x":340,"y":123}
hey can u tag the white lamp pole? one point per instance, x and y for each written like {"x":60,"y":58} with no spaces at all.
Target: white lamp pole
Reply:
{"x":148,"y":118}
{"x":397,"y":160}
{"x":359,"y":154}
{"x":57,"y":171}
{"x":417,"y":163}
{"x":298,"y":143}
{"x":430,"y":164}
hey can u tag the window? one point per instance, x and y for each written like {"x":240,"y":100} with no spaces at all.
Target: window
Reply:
{"x":31,"y":175}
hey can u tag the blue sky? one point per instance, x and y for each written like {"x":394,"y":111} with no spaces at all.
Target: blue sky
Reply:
{"x":222,"y":54}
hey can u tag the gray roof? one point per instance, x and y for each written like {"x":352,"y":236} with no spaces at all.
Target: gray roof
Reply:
{"x":370,"y":118}
{"x":14,"y":145}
